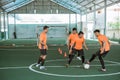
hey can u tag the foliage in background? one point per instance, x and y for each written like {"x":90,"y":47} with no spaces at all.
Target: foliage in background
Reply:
{"x":114,"y":25}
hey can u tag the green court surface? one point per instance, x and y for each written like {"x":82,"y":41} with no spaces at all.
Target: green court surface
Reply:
{"x":18,"y":63}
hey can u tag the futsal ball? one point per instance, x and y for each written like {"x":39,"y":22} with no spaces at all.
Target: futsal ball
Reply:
{"x":86,"y":66}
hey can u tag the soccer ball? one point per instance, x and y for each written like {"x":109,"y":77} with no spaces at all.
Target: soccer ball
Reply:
{"x":86,"y":66}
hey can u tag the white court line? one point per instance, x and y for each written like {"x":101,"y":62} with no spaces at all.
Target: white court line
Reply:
{"x":81,"y":65}
{"x":2,"y":40}
{"x":22,"y":67}
{"x":75,"y":59}
{"x":38,"y":49}
{"x":31,"y":49}
{"x":52,"y":74}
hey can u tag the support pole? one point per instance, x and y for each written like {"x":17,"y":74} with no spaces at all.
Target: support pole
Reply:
{"x":94,"y":20}
{"x":86,"y":25}
{"x":80,"y":21}
{"x":69,"y":22}
{"x":4,"y":25}
{"x":105,"y":2}
{"x":76,"y":20}
{"x":7,"y":26}
{"x":0,"y":25}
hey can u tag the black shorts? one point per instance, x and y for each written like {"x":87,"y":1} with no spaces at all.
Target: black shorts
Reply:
{"x":103,"y":54}
{"x":75,"y":51}
{"x":43,"y":51}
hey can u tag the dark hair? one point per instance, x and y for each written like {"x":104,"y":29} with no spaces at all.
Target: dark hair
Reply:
{"x":80,"y":33}
{"x":45,"y":27}
{"x":74,"y":29}
{"x":97,"y":30}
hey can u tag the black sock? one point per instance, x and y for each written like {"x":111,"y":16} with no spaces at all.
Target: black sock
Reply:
{"x":69,"y":56}
{"x":78,"y":55}
{"x":70,"y":59}
{"x":43,"y":61}
{"x":101,"y":61}
{"x":83,"y":59}
{"x":92,"y":58}
{"x":39,"y":60}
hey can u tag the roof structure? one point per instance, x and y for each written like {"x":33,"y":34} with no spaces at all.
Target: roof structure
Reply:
{"x":54,"y":6}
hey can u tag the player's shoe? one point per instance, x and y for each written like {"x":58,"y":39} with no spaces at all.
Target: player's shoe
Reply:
{"x":103,"y":70}
{"x":37,"y":65}
{"x":87,"y":62}
{"x":79,"y":58}
{"x":42,"y":68}
{"x":67,"y":65}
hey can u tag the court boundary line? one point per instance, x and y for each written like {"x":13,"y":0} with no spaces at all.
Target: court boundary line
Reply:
{"x":23,"y":67}
{"x":20,"y":67}
{"x":38,"y":49}
{"x":51,"y":74}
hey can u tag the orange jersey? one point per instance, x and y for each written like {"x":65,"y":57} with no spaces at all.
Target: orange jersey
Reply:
{"x":103,"y":39}
{"x":78,"y":43}
{"x":71,"y":38}
{"x":42,"y":41}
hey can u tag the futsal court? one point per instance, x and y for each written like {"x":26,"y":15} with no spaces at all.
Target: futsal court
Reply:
{"x":22,"y":21}
{"x":18,"y":62}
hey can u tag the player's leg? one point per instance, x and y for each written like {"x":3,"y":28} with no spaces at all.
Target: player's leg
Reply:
{"x":93,"y":57}
{"x":71,"y":56}
{"x":102,"y":61}
{"x":70,"y":53}
{"x":78,"y":56}
{"x":39,"y":61}
{"x":70,"y":59}
{"x":81,"y":53}
{"x":82,"y":56}
{"x":44,"y":55}
{"x":42,"y":62}
{"x":40,"y":58}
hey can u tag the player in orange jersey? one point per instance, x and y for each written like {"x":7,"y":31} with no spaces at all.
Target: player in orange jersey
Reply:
{"x":104,"y":49}
{"x":77,"y":47}
{"x":71,"y":38}
{"x":43,"y":47}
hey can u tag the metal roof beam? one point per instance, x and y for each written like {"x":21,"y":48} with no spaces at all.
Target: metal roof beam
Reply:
{"x":66,"y":5}
{"x":104,"y":6}
{"x":19,"y":5}
{"x":6,"y":2}
{"x":93,"y":3}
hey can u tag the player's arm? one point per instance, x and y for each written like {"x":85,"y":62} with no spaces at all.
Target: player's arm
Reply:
{"x":68,"y":41}
{"x":71,"y":47}
{"x":103,"y":46}
{"x":47,"y":47}
{"x":109,"y":42}
{"x":43,"y":44}
{"x":42,"y":40}
{"x":84,"y":44}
